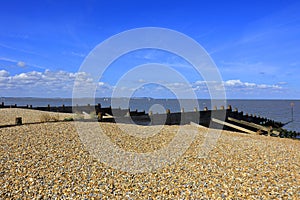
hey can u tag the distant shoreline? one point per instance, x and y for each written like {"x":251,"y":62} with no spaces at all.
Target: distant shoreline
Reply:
{"x":70,"y":98}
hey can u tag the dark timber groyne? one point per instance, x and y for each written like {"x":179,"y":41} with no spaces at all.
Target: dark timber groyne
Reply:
{"x":228,"y":119}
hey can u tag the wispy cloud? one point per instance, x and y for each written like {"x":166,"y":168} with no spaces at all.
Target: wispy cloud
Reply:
{"x":81,"y":55}
{"x":279,"y":29}
{"x":162,"y":57}
{"x":20,"y":50}
{"x":254,"y":68}
{"x":8,"y":60}
{"x":20,"y":63}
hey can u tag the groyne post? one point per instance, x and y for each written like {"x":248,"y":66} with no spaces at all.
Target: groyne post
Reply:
{"x":100,"y":117}
{"x":182,"y":116}
{"x":18,"y":120}
{"x":151,"y":117}
{"x":128,"y":113}
{"x":168,"y":119}
{"x":292,"y":110}
{"x":229,"y":107}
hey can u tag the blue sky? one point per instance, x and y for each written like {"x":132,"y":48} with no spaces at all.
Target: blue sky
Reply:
{"x":254,"y":44}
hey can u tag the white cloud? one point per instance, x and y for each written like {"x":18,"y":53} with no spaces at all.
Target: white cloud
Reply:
{"x":142,"y":81}
{"x":4,"y":76}
{"x":4,"y":73}
{"x":238,"y":84}
{"x":234,"y":85}
{"x":47,"y":83}
{"x":61,"y":83}
{"x":21,"y":64}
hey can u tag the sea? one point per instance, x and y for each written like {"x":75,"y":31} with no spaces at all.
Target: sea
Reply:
{"x":278,"y":110}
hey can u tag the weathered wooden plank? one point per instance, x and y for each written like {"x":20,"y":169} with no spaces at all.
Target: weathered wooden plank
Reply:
{"x":107,"y":116}
{"x":250,"y":124}
{"x":233,"y":126}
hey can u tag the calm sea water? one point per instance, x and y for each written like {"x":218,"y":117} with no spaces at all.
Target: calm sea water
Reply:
{"x":279,"y":110}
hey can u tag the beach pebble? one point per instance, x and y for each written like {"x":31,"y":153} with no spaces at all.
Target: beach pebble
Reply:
{"x":50,"y":161}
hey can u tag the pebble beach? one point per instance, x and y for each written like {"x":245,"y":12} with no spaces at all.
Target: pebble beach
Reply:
{"x":49,"y":161}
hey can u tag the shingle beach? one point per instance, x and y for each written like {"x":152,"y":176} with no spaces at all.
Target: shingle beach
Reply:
{"x":49,"y":161}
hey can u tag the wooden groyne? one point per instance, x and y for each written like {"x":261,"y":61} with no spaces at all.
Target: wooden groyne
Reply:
{"x":78,"y":109}
{"x":228,"y":119}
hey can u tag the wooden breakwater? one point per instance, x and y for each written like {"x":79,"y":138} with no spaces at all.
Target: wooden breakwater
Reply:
{"x":202,"y":117}
{"x":79,"y":109}
{"x":228,"y":119}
